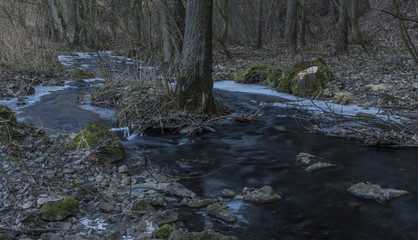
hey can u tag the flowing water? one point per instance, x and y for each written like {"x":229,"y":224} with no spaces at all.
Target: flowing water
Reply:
{"x":314,"y":206}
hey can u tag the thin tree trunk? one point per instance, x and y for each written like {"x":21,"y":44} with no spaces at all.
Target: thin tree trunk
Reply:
{"x":291,"y":25}
{"x":194,"y":87}
{"x":302,"y":34}
{"x":342,"y":37}
{"x":259,"y":43}
{"x":354,"y":24}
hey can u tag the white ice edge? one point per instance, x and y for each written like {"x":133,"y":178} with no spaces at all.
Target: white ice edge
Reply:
{"x":97,"y":224}
{"x":313,"y":106}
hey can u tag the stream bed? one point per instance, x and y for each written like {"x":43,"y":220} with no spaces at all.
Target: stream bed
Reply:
{"x":314,"y":206}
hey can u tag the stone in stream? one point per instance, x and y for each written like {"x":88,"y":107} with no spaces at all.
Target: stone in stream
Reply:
{"x":374,"y":191}
{"x":263,"y":195}
{"x":205,"y":235}
{"x":218,"y":210}
{"x":164,"y":217}
{"x":226,"y":193}
{"x":307,"y":159}
{"x":198,"y":203}
{"x":59,"y":210}
{"x":143,"y":206}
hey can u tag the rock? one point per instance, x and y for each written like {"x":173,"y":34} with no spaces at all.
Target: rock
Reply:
{"x":164,"y":217}
{"x":218,"y":210}
{"x":25,"y":90}
{"x":304,"y":158}
{"x":198,"y":203}
{"x":343,"y":98}
{"x":123,"y":169}
{"x":374,"y":191}
{"x":113,"y":236}
{"x":226,"y":193}
{"x":263,"y":195}
{"x":306,"y":78}
{"x":98,"y":137}
{"x":164,"y":232}
{"x":147,"y":227}
{"x":7,"y":114}
{"x":156,"y":176}
{"x":59,"y":210}
{"x":205,"y":235}
{"x":173,"y":188}
{"x":142,"y":205}
{"x":318,"y":166}
{"x":68,"y":171}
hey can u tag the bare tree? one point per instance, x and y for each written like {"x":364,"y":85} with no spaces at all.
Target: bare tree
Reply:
{"x":354,"y":21}
{"x":194,"y":87}
{"x":259,"y":43}
{"x":342,"y":36}
{"x":291,"y":25}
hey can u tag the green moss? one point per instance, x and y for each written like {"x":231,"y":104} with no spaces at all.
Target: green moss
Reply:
{"x":274,"y":76}
{"x":142,"y":205}
{"x":289,"y":81}
{"x":98,"y":137}
{"x":3,"y":237}
{"x":58,"y":210}
{"x":7,"y":114}
{"x":165,"y":231}
{"x":254,"y":73}
{"x":81,"y":74}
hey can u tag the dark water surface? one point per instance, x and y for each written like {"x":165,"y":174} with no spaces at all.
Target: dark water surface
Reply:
{"x":314,"y":206}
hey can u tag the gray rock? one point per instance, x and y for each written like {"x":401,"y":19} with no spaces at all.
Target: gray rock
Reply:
{"x":304,"y":158}
{"x":318,"y":166}
{"x":263,"y":195}
{"x":374,"y":191}
{"x":147,"y":227}
{"x":226,"y":193}
{"x":207,"y":235}
{"x":123,"y":169}
{"x":172,"y":188}
{"x":163,"y":217}
{"x":59,"y":210}
{"x":218,"y":210}
{"x":198,"y":203}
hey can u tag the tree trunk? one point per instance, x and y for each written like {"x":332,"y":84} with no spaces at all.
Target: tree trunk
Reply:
{"x":178,"y":15}
{"x":416,"y":7}
{"x":194,"y":86}
{"x":259,"y":43}
{"x":302,"y":34}
{"x":342,"y":39}
{"x":354,"y":25}
{"x":167,"y":46}
{"x":291,"y":25}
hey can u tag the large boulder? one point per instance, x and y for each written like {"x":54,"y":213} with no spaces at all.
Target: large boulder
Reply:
{"x":10,"y":129}
{"x":59,"y":210}
{"x":306,"y":78}
{"x":97,"y":137}
{"x":205,"y":235}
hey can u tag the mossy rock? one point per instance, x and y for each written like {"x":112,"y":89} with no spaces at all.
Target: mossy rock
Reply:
{"x":289,"y":81}
{"x":205,"y":235}
{"x":142,"y":205}
{"x":3,"y":237}
{"x":98,"y":137}
{"x":10,"y":129}
{"x":81,"y":74}
{"x":7,"y":114}
{"x":164,"y":232}
{"x":59,"y":210}
{"x":274,"y":76}
{"x":254,"y":73}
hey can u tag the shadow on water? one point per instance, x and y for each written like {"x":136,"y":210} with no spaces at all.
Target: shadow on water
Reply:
{"x":315,"y":205}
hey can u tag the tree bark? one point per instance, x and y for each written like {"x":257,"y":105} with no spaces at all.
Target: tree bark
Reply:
{"x":302,"y":34}
{"x":291,"y":25}
{"x":194,"y":85}
{"x":354,"y":22}
{"x":259,"y":43}
{"x":342,"y":39}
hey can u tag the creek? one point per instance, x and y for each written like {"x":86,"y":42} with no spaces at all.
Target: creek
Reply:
{"x":314,"y":206}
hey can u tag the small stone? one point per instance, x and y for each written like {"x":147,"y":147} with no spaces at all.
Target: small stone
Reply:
{"x":39,"y":160}
{"x":226,"y":193}
{"x":199,"y":203}
{"x":218,"y":210}
{"x":68,"y":171}
{"x":263,"y":195}
{"x":304,"y":158}
{"x":374,"y":191}
{"x":319,"y":166}
{"x":142,"y":205}
{"x":164,"y":217}
{"x":27,"y":205}
{"x":123,"y":169}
